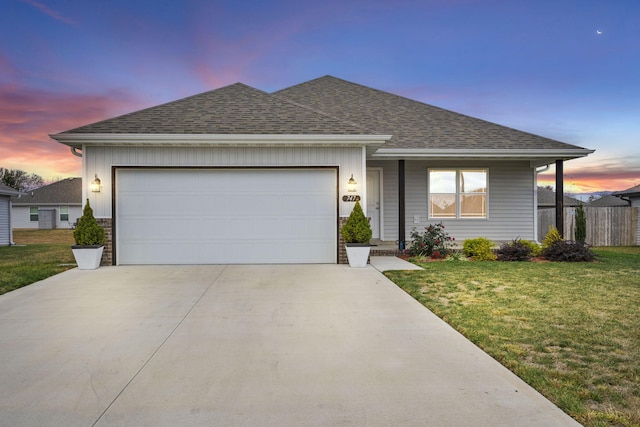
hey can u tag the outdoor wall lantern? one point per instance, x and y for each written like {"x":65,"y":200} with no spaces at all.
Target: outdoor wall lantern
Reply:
{"x":351,"y":185}
{"x":95,"y":185}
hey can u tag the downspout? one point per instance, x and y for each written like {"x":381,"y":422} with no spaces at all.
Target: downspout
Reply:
{"x":626,"y":200}
{"x":75,"y":153}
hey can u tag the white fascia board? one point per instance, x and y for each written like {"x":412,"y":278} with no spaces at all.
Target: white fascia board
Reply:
{"x":522,"y":154}
{"x":88,"y":139}
{"x":12,"y":192}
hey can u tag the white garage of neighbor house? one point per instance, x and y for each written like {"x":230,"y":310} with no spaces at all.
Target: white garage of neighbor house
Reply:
{"x":57,"y":205}
{"x":238,"y":175}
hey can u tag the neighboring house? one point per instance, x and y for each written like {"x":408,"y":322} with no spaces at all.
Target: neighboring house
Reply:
{"x":607,"y":201}
{"x":632,"y":197}
{"x":547,"y":199}
{"x":238,"y":175}
{"x":6,"y":236}
{"x":56,"y":205}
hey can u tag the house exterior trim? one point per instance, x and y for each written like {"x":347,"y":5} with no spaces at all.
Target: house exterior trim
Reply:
{"x":537,"y":157}
{"x":79,"y":140}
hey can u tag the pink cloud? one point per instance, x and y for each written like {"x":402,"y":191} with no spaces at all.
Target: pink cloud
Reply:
{"x":50,"y":12}
{"x":594,"y":174}
{"x":28,"y":116}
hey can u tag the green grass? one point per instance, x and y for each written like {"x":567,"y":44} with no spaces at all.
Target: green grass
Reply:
{"x":571,"y":330}
{"x":45,"y":253}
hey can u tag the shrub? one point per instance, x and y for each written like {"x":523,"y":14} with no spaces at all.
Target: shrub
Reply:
{"x":553,"y":235}
{"x":456,"y":256}
{"x":479,"y":248}
{"x":568,"y":251}
{"x":431,"y":243}
{"x":581,"y":224}
{"x":516,"y":250}
{"x":357,"y":228}
{"x":88,"y":231}
{"x":536,"y":250}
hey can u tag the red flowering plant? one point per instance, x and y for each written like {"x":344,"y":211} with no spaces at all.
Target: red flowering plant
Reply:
{"x":430,"y":243}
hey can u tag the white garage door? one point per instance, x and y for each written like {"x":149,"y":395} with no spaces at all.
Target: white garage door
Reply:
{"x":226,"y":216}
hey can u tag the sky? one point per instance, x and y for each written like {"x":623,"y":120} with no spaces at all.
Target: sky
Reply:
{"x":564,"y":69}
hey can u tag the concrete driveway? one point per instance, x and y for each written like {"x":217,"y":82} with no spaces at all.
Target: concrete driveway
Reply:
{"x":285,"y":345}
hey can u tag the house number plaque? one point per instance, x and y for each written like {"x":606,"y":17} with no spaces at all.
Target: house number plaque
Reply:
{"x":350,"y":198}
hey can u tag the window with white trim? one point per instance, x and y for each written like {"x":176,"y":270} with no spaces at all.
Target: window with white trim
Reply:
{"x":64,"y":213}
{"x":457,"y":193}
{"x":33,"y":213}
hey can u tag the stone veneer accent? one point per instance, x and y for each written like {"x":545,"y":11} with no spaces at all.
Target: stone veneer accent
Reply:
{"x":342,"y":251}
{"x":107,"y":254}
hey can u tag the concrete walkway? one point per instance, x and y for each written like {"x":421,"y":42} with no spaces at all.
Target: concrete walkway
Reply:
{"x":286,"y":345}
{"x":389,"y":263}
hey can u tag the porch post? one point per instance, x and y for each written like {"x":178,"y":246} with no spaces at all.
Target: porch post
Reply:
{"x":401,"y":224}
{"x":560,"y":197}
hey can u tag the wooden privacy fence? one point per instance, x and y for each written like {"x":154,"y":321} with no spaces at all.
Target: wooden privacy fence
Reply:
{"x":606,"y":226}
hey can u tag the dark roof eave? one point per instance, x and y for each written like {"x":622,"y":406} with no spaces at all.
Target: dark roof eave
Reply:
{"x":537,"y":157}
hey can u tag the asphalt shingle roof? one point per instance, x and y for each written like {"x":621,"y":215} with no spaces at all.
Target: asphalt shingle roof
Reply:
{"x":413,"y":124}
{"x":633,"y":191}
{"x":234,"y":109}
{"x":324,"y":106}
{"x":64,"y":192}
{"x":547,"y":197}
{"x":608,"y":201}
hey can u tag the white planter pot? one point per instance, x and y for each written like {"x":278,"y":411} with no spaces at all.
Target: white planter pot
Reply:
{"x":358,"y":254}
{"x":87,"y":257}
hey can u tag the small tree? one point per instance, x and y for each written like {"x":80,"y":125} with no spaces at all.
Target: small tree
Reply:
{"x":20,"y":180}
{"x":581,"y":224}
{"x":553,"y":235}
{"x":88,"y":232}
{"x":356,"y":229}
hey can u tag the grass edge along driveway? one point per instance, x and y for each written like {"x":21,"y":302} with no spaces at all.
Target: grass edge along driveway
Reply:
{"x":570,"y":330}
{"x":38,"y":254}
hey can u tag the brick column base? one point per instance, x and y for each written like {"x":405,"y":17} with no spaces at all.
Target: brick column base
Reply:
{"x":342,"y":251}
{"x":107,"y":254}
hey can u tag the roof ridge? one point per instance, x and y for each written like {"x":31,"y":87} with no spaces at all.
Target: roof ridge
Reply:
{"x":165,"y":104}
{"x":414,"y":101}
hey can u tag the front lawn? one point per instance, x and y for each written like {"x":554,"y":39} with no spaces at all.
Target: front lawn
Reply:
{"x":38,"y":255}
{"x":571,"y":330}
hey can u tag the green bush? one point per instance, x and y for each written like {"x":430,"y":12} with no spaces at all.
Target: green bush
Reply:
{"x":88,"y":231}
{"x":581,"y":224}
{"x":357,"y":228}
{"x":553,"y":235}
{"x":516,"y":250}
{"x":479,"y":249}
{"x":536,"y":249}
{"x":431,"y":243}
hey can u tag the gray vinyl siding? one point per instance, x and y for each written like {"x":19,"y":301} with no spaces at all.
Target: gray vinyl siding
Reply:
{"x":100,"y":160}
{"x":5,"y":223}
{"x":510,"y":200}
{"x":20,"y":217}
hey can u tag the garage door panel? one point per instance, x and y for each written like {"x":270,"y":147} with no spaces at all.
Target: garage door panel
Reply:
{"x":226,"y":216}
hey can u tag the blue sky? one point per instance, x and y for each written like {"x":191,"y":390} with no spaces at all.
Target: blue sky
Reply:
{"x":565,"y":69}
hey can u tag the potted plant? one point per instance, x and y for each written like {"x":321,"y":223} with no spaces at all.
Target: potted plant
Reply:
{"x":356,"y":233}
{"x":89,"y":237}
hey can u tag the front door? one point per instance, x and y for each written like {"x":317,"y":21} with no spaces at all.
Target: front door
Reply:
{"x":373,"y":200}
